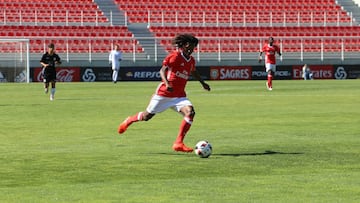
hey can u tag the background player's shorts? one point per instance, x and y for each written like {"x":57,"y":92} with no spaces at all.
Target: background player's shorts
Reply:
{"x":115,"y":67}
{"x":49,"y":75}
{"x":159,"y":104}
{"x":269,"y":66}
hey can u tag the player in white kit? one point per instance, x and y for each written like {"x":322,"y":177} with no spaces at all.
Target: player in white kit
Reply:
{"x":115,"y":57}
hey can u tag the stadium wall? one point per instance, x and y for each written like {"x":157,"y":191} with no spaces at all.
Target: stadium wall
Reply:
{"x":102,"y":74}
{"x":147,"y":70}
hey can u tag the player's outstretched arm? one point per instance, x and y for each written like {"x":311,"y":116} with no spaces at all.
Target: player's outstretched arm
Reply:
{"x":197,"y":76}
{"x":260,"y":56}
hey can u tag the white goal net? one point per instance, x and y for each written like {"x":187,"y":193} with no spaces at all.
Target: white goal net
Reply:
{"x":14,"y":60}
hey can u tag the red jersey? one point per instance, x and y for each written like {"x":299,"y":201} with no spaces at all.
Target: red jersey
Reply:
{"x":270,"y":52}
{"x":178,"y":73}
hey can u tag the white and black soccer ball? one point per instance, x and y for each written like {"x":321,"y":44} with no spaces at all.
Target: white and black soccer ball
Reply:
{"x":203,"y":149}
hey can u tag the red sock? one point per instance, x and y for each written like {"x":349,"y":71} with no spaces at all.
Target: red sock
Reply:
{"x":269,"y":77}
{"x":184,"y":128}
{"x":135,"y":118}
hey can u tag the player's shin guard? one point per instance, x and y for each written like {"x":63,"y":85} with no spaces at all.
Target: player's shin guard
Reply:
{"x":184,"y":128}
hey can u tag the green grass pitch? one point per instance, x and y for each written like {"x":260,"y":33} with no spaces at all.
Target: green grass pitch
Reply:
{"x":297,"y":143}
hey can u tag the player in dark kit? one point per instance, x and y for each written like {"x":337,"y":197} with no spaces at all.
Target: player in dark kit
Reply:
{"x":48,"y":61}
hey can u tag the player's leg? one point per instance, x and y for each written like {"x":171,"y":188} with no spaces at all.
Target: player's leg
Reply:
{"x":273,"y":70}
{"x":46,"y":81}
{"x":186,"y":109}
{"x":189,"y":113}
{"x":53,"y":90}
{"x":140,"y":116}
{"x":269,"y":69}
{"x":114,"y":75}
{"x":157,"y":104}
{"x":270,"y":79}
{"x":46,"y":86}
{"x":52,"y":79}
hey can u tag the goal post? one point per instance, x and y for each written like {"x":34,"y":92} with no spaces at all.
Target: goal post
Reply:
{"x":15,"y":60}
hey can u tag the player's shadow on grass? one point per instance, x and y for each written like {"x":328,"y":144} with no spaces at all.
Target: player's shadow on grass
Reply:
{"x":79,"y":99}
{"x":267,"y":152}
{"x":20,"y":105}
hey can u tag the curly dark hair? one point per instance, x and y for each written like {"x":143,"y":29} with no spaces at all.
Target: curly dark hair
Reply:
{"x":181,"y":39}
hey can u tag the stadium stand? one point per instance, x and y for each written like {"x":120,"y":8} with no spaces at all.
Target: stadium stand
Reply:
{"x":251,"y":12}
{"x":229,"y":27}
{"x":292,"y":37}
{"x":50,"y":12}
{"x":80,"y":38}
{"x":301,"y":25}
{"x":74,"y":27}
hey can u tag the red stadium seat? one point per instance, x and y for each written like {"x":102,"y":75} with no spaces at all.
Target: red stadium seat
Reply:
{"x":303,"y":19}
{"x":68,"y":34}
{"x":312,"y":41}
{"x":255,"y":11}
{"x":32,"y":11}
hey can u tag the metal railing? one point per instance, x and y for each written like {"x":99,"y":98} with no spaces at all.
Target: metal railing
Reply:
{"x":221,"y":48}
{"x":177,"y":18}
{"x":245,"y":18}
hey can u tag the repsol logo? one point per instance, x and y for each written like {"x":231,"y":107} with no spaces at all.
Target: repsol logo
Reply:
{"x":147,"y":74}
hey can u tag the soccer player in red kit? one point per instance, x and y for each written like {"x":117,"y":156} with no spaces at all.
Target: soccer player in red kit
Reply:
{"x":170,"y":93}
{"x":270,"y":50}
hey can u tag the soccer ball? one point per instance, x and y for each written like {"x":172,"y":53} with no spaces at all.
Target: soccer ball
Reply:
{"x":203,"y":149}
